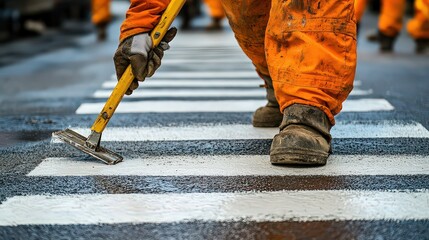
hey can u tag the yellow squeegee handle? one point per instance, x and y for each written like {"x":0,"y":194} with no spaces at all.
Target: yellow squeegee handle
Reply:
{"x":127,"y":77}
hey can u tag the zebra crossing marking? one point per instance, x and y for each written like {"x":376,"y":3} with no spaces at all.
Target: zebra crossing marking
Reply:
{"x":207,"y":74}
{"x":351,"y":105}
{"x":143,"y":92}
{"x":172,"y":83}
{"x":234,"y":165}
{"x":150,"y":93}
{"x":382,"y":129}
{"x":273,"y":206}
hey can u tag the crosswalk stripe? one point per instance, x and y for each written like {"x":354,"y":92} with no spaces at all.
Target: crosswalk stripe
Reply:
{"x":172,"y":83}
{"x":147,"y":93}
{"x":384,"y":129}
{"x":234,"y":165}
{"x":351,"y":105}
{"x":223,"y":82}
{"x":238,"y":206}
{"x":207,"y":74}
{"x":202,"y":61}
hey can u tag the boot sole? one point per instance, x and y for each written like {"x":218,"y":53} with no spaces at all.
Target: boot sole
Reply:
{"x":298,"y":159}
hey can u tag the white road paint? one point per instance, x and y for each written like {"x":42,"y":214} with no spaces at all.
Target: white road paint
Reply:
{"x":337,"y":205}
{"x":174,"y":83}
{"x":222,"y":60}
{"x":150,"y":93}
{"x":367,"y":105}
{"x":224,"y":82}
{"x":234,"y":165}
{"x":383,"y":129}
{"x":361,"y":105}
{"x":143,"y":92}
{"x":206,"y":74}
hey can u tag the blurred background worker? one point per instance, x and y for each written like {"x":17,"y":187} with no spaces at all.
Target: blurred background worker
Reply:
{"x":192,"y":9}
{"x":304,"y":50}
{"x":216,"y":13}
{"x":101,"y":17}
{"x":391,"y":19}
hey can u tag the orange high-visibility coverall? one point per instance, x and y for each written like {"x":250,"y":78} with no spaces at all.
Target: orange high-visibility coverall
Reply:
{"x":390,"y":21}
{"x":215,"y":8}
{"x":418,"y":27}
{"x":392,"y":12}
{"x":307,"y":47}
{"x":100,"y":11}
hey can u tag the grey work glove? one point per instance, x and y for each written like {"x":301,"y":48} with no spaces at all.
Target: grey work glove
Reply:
{"x":136,"y":50}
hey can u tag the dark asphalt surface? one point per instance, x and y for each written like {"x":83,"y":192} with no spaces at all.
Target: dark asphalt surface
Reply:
{"x":41,"y":93}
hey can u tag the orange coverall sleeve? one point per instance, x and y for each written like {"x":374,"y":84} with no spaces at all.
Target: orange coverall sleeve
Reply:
{"x":142,"y":16}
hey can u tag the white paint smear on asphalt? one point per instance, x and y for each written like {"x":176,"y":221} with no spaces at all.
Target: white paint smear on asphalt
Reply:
{"x":383,"y":129}
{"x":171,"y":92}
{"x":361,"y":105}
{"x":234,"y":165}
{"x":337,"y":205}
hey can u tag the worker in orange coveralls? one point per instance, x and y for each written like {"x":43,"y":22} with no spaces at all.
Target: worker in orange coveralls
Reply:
{"x":101,"y":17}
{"x":216,"y":13}
{"x":390,"y":23}
{"x":305,"y":51}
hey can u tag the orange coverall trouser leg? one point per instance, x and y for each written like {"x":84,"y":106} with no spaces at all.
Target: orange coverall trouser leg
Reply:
{"x":391,"y":16}
{"x":100,"y":11}
{"x":418,"y":27}
{"x":215,"y":8}
{"x":307,"y":47}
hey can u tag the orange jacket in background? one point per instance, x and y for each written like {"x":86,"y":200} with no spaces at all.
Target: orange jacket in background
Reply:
{"x":307,"y":47}
{"x":100,"y":11}
{"x":391,"y":16}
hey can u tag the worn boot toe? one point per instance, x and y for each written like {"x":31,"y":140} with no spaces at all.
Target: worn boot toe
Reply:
{"x":298,"y":144}
{"x":304,"y":137}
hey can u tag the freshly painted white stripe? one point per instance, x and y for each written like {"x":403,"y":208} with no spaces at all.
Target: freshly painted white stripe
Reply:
{"x":241,"y":60}
{"x":367,"y":105}
{"x":234,"y":165}
{"x":173,"y":83}
{"x":176,"y":106}
{"x":179,"y":83}
{"x":217,"y":82}
{"x":207,"y":74}
{"x":148,"y":93}
{"x":384,"y":129}
{"x":318,"y":205}
{"x":361,"y":105}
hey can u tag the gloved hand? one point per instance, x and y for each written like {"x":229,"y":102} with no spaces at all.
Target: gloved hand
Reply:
{"x":136,"y":50}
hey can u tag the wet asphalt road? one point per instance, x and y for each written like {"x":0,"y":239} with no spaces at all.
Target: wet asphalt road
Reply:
{"x":41,"y":94}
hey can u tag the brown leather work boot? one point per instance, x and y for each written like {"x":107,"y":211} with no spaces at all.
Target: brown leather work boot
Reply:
{"x":304,"y":137}
{"x":269,"y":115}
